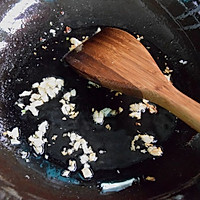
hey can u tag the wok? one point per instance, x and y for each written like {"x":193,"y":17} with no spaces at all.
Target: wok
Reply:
{"x":170,"y":28}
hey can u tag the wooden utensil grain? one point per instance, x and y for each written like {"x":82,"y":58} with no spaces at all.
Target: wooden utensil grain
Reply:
{"x":117,"y":60}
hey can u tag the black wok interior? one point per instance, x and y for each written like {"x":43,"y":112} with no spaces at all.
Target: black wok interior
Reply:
{"x":177,"y":169}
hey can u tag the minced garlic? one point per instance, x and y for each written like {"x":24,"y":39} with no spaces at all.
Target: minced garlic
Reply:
{"x":72,"y":166}
{"x":77,"y":44}
{"x":78,"y":143}
{"x":108,"y":127}
{"x":68,"y":108}
{"x":54,"y":137}
{"x":155,"y":151}
{"x":25,"y":93}
{"x":98,"y":117}
{"x":138,"y":108}
{"x":47,"y":89}
{"x":150,"y":178}
{"x":148,"y":144}
{"x":87,"y":173}
{"x":90,"y":83}
{"x":66,"y":173}
{"x":13,"y":135}
{"x":167,"y":70}
{"x":37,"y":140}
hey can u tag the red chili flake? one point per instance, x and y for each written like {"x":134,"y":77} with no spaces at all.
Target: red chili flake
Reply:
{"x":42,"y":39}
{"x":68,"y":29}
{"x":138,"y":124}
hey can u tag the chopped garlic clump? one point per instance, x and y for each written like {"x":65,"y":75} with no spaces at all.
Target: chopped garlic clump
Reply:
{"x":77,"y":44}
{"x":37,"y":140}
{"x":138,"y":108}
{"x":147,"y":138}
{"x":155,"y":151}
{"x":68,"y":108}
{"x":148,"y":144}
{"x":78,"y":143}
{"x":136,"y":115}
{"x":84,"y":159}
{"x":98,"y":117}
{"x":47,"y":89}
{"x":13,"y":135}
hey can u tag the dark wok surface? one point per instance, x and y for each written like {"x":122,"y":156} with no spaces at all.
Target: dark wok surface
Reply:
{"x":180,"y":167}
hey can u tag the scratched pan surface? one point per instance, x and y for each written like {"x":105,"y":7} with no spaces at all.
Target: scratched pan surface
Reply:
{"x":176,"y":170}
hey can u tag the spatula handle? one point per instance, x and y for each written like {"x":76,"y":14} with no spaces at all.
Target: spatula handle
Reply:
{"x":180,"y":105}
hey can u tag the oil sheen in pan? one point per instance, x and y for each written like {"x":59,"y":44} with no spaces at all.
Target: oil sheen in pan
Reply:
{"x":118,"y":161}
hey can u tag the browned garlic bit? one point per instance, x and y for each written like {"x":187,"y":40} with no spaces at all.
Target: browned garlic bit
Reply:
{"x":167,"y":72}
{"x":155,"y":151}
{"x":148,"y":144}
{"x":118,"y":93}
{"x":108,"y":127}
{"x":138,"y":124}
{"x":150,"y":178}
{"x":137,"y":109}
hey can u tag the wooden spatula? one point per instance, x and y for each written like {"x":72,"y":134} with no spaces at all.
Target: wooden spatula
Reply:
{"x":117,"y":60}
